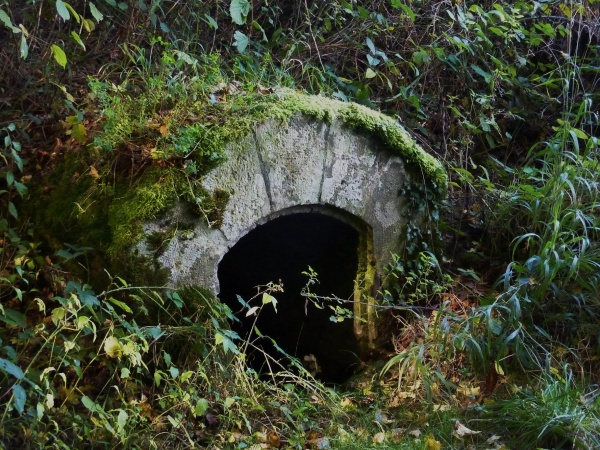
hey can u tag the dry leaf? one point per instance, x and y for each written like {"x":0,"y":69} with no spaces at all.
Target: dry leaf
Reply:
{"x":492,"y":439}
{"x":468,"y":391}
{"x":94,"y":173}
{"x":345,"y":402}
{"x":379,"y":438}
{"x":416,"y":433}
{"x":163,"y":130}
{"x":397,"y":435}
{"x":273,"y":440}
{"x":382,"y":418}
{"x":322,"y":444}
{"x":462,"y":431}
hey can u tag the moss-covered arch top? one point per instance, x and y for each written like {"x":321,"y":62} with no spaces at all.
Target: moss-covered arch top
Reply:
{"x":339,"y":154}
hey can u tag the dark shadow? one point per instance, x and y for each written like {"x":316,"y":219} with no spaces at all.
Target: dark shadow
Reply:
{"x":280,"y":250}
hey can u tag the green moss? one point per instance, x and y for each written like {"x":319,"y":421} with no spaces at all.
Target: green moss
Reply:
{"x":158,"y":241}
{"x":214,"y":207}
{"x":360,"y":117}
{"x":152,"y":193}
{"x":110,"y":216}
{"x":255,"y":108}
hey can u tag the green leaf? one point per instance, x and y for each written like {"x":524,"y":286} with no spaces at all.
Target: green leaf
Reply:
{"x":10,"y":178}
{"x":229,"y":401}
{"x":186,"y":376}
{"x":174,"y":371}
{"x":122,"y":419}
{"x":370,"y":73}
{"x":89,"y":25}
{"x":399,"y":4}
{"x":19,"y":398}
{"x":59,"y":55}
{"x":121,"y":305}
{"x":11,"y":368}
{"x":95,"y":13}
{"x":79,"y":133}
{"x":157,"y":377}
{"x":267,"y":298}
{"x":201,"y":407}
{"x":420,"y":57}
{"x":211,"y":22}
{"x":77,"y":39}
{"x":372,"y":60}
{"x":228,"y":344}
{"x":13,"y":210}
{"x":7,"y":22}
{"x":88,"y":403}
{"x":62,"y":10}
{"x":580,"y":133}
{"x":14,"y":318}
{"x":241,"y":41}
{"x":24,"y":49}
{"x":73,"y":13}
{"x":113,"y":348}
{"x":479,"y":71}
{"x":238,"y":10}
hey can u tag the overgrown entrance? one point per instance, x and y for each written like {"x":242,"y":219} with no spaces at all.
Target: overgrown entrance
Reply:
{"x":280,"y":251}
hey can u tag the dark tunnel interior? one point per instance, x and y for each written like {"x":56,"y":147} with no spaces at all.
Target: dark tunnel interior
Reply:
{"x":280,"y":250}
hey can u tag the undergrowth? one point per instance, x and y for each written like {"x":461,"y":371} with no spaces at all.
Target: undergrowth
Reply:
{"x":504,"y":356}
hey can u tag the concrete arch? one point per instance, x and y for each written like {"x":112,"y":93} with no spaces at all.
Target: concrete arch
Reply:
{"x":306,"y":165}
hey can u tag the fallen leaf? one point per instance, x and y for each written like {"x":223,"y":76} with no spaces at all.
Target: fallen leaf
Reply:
{"x":462,"y":431}
{"x":441,"y":408}
{"x":432,"y":444}
{"x":398,"y":435}
{"x":163,"y":130}
{"x":94,"y":173}
{"x":382,"y":418}
{"x":492,"y":439}
{"x":416,"y":433}
{"x":273,"y":440}
{"x":346,"y":402}
{"x":379,"y":438}
{"x":468,"y":391}
{"x":322,"y":444}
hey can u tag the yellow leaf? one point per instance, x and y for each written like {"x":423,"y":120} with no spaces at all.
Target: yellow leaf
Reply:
{"x":113,"y":347}
{"x":432,"y":444}
{"x":163,"y":130}
{"x":79,"y":133}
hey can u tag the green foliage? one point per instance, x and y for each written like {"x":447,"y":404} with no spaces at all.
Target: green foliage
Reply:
{"x":418,"y":284}
{"x":563,"y":415}
{"x":12,"y":165}
{"x":506,"y":93}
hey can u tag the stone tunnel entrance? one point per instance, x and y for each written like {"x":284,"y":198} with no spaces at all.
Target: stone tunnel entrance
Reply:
{"x":279,"y":251}
{"x":279,"y":180}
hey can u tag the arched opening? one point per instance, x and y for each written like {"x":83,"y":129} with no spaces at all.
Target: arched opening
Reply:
{"x":279,"y":251}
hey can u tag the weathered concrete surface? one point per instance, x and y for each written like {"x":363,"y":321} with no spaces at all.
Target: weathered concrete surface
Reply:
{"x":303,"y":165}
{"x":305,"y":162}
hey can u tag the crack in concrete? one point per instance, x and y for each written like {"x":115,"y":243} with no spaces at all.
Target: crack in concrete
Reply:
{"x":264,"y":171}
{"x":327,"y":131}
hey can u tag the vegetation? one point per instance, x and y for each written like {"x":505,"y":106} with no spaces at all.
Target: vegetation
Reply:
{"x":494,"y":329}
